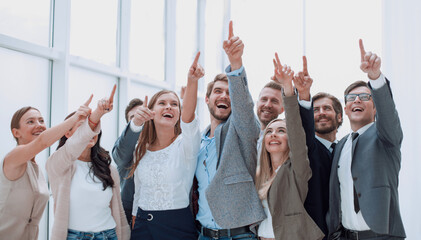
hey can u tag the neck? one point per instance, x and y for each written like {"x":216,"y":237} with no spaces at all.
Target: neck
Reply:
{"x":277,"y":159}
{"x":164,"y":137}
{"x":262,"y":126}
{"x":214,"y":123}
{"x":331,"y":136}
{"x":86,"y":155}
{"x":356,"y":126}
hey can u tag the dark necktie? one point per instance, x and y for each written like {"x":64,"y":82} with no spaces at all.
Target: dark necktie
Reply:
{"x":354,"y":135}
{"x":333,"y":145}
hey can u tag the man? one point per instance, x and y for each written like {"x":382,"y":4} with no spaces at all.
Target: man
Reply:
{"x":228,"y":202}
{"x":321,"y":121}
{"x":123,"y":154}
{"x":364,"y":181}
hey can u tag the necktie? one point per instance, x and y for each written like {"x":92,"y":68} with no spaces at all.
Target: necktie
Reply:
{"x":354,"y":135}
{"x":333,"y":145}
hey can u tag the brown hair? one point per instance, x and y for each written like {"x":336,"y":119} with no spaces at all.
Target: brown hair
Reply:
{"x":273,"y":85}
{"x":148,"y":135}
{"x":265,"y":171}
{"x":17,"y":116}
{"x":353,"y":86}
{"x":132,"y":104}
{"x":336,"y":104}
{"x":220,"y":77}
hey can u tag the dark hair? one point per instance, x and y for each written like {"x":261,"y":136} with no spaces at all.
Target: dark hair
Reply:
{"x":17,"y":116}
{"x":336,"y":104}
{"x":220,"y":77}
{"x":353,"y":86}
{"x":100,"y":159}
{"x":132,"y":104}
{"x":148,"y":134}
{"x":273,"y":85}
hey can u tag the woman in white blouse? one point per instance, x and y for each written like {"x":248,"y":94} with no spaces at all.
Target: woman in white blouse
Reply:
{"x":165,"y":162}
{"x":86,"y":189}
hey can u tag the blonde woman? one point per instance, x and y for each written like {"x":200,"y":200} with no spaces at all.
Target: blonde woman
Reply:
{"x":284,"y":171}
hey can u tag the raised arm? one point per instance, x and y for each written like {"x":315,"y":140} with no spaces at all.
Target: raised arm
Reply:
{"x":14,"y":162}
{"x":105,"y":105}
{"x":190,"y":96}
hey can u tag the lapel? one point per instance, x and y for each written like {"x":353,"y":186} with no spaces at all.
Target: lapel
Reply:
{"x":338,"y":150}
{"x":218,"y":133}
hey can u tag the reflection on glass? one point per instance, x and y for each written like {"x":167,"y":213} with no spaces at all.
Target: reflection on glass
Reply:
{"x":147,"y":38}
{"x":26,"y":19}
{"x":186,"y":46}
{"x":93,"y":30}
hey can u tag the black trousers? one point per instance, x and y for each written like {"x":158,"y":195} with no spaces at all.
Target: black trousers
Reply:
{"x":164,"y":225}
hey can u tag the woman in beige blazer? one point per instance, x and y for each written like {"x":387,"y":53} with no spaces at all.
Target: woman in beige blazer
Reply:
{"x":284,"y":171}
{"x":23,"y":189}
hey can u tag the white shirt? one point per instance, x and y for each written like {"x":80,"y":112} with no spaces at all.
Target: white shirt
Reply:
{"x":265,"y":228}
{"x":89,"y":208}
{"x":163,"y":178}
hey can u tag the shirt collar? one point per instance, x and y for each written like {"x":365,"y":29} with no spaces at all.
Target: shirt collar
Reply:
{"x":363,"y":129}
{"x":325,"y":142}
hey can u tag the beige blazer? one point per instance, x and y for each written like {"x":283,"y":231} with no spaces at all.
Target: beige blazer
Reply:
{"x":22,"y":203}
{"x":289,"y":189}
{"x":61,"y":168}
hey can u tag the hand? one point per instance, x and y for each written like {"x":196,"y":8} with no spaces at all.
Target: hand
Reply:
{"x":84,"y":110}
{"x":105,"y":105}
{"x":283,"y":75}
{"x":143,"y":114}
{"x":370,"y":63}
{"x":234,"y":49}
{"x":303,"y":82}
{"x":196,"y":71}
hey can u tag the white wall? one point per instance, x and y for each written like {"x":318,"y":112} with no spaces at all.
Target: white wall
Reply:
{"x":401,"y":63}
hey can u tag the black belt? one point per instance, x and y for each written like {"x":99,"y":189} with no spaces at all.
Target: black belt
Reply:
{"x":220,"y":233}
{"x":356,"y":235}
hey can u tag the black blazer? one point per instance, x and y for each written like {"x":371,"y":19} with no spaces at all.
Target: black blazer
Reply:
{"x":317,"y":201}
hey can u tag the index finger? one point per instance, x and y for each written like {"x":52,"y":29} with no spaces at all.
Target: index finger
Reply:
{"x":89,"y":101}
{"x":231,"y":31}
{"x":112,"y":93}
{"x":277,"y":60}
{"x":196,"y":59}
{"x":305,"y":71}
{"x":362,"y":50}
{"x":145,"y":103}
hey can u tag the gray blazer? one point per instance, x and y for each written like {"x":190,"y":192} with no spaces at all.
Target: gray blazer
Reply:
{"x":231,"y":195}
{"x":123,"y":156}
{"x":375,"y":169}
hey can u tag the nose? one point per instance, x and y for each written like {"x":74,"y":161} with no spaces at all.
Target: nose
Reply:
{"x":168,"y":106}
{"x":357,"y":97}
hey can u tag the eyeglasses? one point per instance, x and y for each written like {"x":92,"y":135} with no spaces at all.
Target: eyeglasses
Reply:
{"x":362,"y":96}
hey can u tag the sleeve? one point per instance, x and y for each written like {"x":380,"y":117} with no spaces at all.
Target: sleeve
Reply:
{"x":124,"y":226}
{"x":123,"y":150}
{"x":136,"y":194}
{"x":64,"y":157}
{"x":191,"y":141}
{"x":307,"y":119}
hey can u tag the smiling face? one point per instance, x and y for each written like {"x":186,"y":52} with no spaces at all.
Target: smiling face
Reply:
{"x":326,"y":119}
{"x":360,"y":113}
{"x":167,"y":110}
{"x":269,"y":105}
{"x":219,"y":102}
{"x":276,"y":138}
{"x":31,"y":125}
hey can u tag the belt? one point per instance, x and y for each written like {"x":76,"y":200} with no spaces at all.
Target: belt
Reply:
{"x":356,"y":235}
{"x":220,"y":233}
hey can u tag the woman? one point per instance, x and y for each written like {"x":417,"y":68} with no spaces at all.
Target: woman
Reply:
{"x":85,"y":187}
{"x":23,"y":190}
{"x":284,"y":171}
{"x":165,"y":162}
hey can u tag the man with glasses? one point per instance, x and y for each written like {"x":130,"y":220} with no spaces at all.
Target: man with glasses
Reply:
{"x":363,"y":199}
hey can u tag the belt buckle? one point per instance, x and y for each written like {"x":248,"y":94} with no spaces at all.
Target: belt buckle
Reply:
{"x":216,"y":232}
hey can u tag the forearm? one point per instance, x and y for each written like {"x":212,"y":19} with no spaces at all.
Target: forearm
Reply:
{"x":124,"y":147}
{"x":189,"y":101}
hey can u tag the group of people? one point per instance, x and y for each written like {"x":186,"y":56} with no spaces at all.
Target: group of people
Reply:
{"x":241,"y":178}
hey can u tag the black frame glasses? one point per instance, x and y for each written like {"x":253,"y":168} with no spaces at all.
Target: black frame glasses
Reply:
{"x":362,"y":96}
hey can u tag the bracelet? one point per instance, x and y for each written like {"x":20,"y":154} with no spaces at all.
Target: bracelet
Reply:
{"x":90,"y":121}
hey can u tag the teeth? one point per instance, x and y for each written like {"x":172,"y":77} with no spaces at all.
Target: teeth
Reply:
{"x":222,"y":105}
{"x":167,"y":115}
{"x":270,"y":143}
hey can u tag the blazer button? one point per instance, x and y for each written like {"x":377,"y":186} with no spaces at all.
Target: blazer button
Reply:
{"x":359,"y":195}
{"x":354,"y":178}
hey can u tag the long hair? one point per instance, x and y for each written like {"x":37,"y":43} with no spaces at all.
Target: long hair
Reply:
{"x":264,"y":175}
{"x":100,"y":159}
{"x":148,"y":135}
{"x":15,"y":122}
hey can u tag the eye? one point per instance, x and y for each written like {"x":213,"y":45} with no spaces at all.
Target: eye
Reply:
{"x":41,"y":120}
{"x":161,"y":103}
{"x":174,"y":104}
{"x":316,"y":110}
{"x":30,"y":121}
{"x":217,"y":91}
{"x":282,"y":130}
{"x":327,"y":108}
{"x":269,"y":131}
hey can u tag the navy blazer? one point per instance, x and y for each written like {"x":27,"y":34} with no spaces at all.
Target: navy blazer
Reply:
{"x":317,"y":201}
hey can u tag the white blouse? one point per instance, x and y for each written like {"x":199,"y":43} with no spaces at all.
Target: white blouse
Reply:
{"x":265,"y":228}
{"x":89,"y":208}
{"x":163,"y":178}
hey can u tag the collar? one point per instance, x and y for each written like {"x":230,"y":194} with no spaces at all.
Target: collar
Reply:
{"x":363,"y":129}
{"x":325,"y":142}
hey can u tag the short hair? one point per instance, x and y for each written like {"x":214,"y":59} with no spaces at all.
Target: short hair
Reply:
{"x":336,"y":104}
{"x":353,"y":86}
{"x":132,"y":104}
{"x":274,"y":85}
{"x":220,"y":77}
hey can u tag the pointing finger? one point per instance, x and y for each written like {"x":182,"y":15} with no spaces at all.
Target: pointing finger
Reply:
{"x":196,"y":60}
{"x":111,"y":99}
{"x":362,"y":51}
{"x":305,"y":71}
{"x":231,"y":31}
{"x":89,"y":100}
{"x":145,"y":103}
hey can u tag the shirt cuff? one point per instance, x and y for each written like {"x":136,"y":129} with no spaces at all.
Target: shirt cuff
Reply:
{"x":135,"y":128}
{"x":379,"y":82}
{"x":305,"y":104}
{"x":235,"y":73}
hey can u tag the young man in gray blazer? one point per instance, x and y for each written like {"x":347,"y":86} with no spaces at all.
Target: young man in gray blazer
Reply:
{"x":228,"y":202}
{"x":363,"y":199}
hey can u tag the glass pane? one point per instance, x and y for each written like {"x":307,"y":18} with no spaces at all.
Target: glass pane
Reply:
{"x":277,"y":28}
{"x":26,"y":19}
{"x":24,"y":81}
{"x":82,"y":84}
{"x":93,"y":30}
{"x":147,"y":38}
{"x":186,"y":47}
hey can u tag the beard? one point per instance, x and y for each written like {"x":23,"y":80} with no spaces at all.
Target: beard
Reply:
{"x":218,"y":117}
{"x":265,"y":122}
{"x":328,"y":129}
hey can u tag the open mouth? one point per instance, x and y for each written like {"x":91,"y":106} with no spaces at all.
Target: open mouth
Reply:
{"x":168,"y":115}
{"x":274,"y":143}
{"x":357,"y":109}
{"x":222,"y":105}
